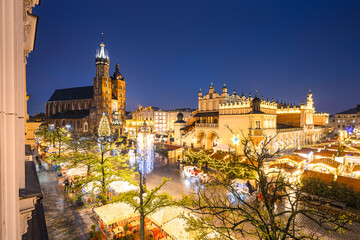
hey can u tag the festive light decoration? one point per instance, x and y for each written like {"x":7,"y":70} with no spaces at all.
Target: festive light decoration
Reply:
{"x":145,"y":149}
{"x":235,"y":139}
{"x":104,"y":127}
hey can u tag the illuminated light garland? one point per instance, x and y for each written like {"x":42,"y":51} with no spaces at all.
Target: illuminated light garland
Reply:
{"x":104,"y":127}
{"x":145,"y":149}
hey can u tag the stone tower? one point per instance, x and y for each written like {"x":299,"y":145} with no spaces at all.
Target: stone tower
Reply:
{"x":119,"y":99}
{"x":102,"y":84}
{"x":178,"y":125}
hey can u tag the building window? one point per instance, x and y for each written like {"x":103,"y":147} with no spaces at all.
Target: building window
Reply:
{"x":257,"y":124}
{"x":85,"y":127}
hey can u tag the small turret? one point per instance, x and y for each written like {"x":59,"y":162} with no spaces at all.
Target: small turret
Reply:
{"x":255,"y":103}
{"x":180,"y":118}
{"x":178,"y":125}
{"x":117,"y":74}
{"x":211,"y":88}
{"x":225,"y":90}
{"x":200,"y":93}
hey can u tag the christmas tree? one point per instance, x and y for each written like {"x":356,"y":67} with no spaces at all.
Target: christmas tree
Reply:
{"x":104,"y":127}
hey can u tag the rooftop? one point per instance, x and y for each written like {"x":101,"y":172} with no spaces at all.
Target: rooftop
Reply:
{"x":71,"y":114}
{"x":72,"y":93}
{"x":351,"y":110}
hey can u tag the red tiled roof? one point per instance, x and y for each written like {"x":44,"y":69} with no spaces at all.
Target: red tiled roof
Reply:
{"x":171,"y":147}
{"x":350,"y":182}
{"x":323,"y":176}
{"x":326,"y":161}
{"x":292,"y":157}
{"x":325,"y":153}
{"x":304,"y":150}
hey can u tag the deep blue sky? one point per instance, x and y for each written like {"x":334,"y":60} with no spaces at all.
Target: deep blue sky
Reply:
{"x":169,"y":49}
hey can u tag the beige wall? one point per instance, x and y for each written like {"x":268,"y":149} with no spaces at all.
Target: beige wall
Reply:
{"x":31,"y":127}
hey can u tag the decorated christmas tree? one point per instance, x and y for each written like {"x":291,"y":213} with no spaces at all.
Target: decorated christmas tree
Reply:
{"x":104,"y":127}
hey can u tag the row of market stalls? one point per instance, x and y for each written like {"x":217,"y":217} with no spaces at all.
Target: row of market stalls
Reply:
{"x":329,"y":157}
{"x":92,"y":189}
{"x":166,"y":223}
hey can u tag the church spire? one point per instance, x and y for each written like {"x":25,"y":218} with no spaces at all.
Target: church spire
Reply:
{"x":102,"y":53}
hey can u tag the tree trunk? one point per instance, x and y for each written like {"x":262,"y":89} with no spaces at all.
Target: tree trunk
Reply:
{"x":142,"y":218}
{"x":104,"y":199}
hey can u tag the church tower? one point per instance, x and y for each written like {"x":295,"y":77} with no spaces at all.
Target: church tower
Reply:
{"x":102,"y":84}
{"x":118,"y":99}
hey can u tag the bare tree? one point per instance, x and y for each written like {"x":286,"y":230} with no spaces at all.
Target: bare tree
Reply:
{"x":278,"y":209}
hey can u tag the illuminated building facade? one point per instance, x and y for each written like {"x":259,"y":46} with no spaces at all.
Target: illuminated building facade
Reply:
{"x":162,"y":121}
{"x":347,"y":120}
{"x":82,"y":107}
{"x":21,"y":210}
{"x":217,"y":114}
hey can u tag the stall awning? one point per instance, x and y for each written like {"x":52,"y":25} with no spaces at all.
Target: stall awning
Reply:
{"x":207,"y":114}
{"x":115,"y":212}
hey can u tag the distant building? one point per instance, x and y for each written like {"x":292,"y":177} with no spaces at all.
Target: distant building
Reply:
{"x":217,"y":114}
{"x":82,"y":107}
{"x":32,"y":124}
{"x":347,"y":119}
{"x":172,"y":116}
{"x":161,"y":120}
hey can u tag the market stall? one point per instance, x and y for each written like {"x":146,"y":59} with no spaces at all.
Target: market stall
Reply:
{"x":118,"y":187}
{"x":113,"y":217}
{"x":90,"y":191}
{"x":176,"y":229}
{"x":76,"y":172}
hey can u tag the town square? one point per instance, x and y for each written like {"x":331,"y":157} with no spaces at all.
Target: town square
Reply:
{"x":179,"y":120}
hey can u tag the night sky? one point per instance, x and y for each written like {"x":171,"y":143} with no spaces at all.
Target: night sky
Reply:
{"x":169,"y":49}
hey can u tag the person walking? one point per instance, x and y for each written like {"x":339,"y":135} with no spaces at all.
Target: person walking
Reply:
{"x":66,"y":184}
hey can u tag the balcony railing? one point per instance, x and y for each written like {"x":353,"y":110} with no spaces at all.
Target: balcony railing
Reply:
{"x":256,"y":132}
{"x":213,"y":125}
{"x":288,"y":129}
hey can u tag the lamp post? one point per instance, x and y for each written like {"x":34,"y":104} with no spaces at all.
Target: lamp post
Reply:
{"x":236,"y":142}
{"x":144,"y":144}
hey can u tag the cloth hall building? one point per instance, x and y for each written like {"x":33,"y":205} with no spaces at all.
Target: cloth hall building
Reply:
{"x":81,"y":108}
{"x":220,"y":115}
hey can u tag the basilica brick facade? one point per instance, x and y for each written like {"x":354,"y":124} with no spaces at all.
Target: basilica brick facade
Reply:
{"x":81,"y":108}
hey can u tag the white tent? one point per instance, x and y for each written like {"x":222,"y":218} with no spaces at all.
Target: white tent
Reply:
{"x":122,"y":186}
{"x":165,"y":215}
{"x":115,"y":212}
{"x":169,"y":219}
{"x":91,"y":188}
{"x":78,"y":171}
{"x":177,"y":229}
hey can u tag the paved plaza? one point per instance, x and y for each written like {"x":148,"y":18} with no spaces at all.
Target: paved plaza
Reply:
{"x":63,"y":221}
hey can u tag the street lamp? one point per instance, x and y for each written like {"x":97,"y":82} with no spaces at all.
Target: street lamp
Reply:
{"x":145,"y":142}
{"x":236,"y":142}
